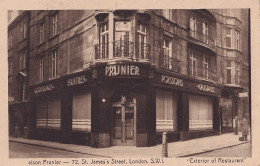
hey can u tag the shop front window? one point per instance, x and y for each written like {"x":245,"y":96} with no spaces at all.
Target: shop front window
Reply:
{"x":200,"y":112}
{"x":48,"y":113}
{"x":81,"y":112}
{"x":166,"y":111}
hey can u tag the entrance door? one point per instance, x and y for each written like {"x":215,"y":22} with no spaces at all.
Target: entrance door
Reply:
{"x":123,"y":124}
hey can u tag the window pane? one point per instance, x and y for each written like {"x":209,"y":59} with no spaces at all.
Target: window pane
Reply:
{"x":228,"y":76}
{"x":166,"y":111}
{"x":228,"y":41}
{"x":200,"y":112}
{"x":81,"y":112}
{"x":54,"y":113}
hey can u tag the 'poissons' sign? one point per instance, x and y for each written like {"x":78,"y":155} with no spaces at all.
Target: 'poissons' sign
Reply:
{"x":122,"y":70}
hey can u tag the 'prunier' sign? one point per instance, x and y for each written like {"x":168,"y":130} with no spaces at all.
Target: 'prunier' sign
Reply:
{"x":122,"y":70}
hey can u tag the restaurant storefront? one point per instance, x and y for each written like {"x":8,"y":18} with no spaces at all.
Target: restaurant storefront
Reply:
{"x":126,"y":103}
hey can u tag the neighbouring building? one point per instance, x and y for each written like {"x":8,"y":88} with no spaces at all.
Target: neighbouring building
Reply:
{"x":122,"y":77}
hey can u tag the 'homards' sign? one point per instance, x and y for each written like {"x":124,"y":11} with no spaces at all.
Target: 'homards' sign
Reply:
{"x":122,"y":70}
{"x":206,"y":88}
{"x":77,"y":80}
{"x":44,"y":88}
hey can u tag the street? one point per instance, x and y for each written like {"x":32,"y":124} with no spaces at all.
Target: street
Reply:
{"x":20,"y":150}
{"x":243,"y":150}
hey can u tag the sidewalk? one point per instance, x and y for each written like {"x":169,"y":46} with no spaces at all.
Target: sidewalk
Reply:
{"x":175,"y":149}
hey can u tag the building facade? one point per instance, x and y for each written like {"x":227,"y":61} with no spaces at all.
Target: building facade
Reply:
{"x":122,"y":77}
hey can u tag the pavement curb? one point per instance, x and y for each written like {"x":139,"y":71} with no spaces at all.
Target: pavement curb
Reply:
{"x":26,"y":141}
{"x":58,"y":148}
{"x":212,"y":150}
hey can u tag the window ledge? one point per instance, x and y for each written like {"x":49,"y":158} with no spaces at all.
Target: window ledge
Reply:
{"x":39,"y":45}
{"x":53,"y":37}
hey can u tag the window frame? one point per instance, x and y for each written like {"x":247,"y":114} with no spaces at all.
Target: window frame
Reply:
{"x":22,"y":60}
{"x":205,"y":66}
{"x":10,"y":40}
{"x":193,"y":62}
{"x":54,"y":19}
{"x":42,"y":32}
{"x":54,"y":64}
{"x":193,"y":24}
{"x":41,"y":69}
{"x":229,"y":36}
{"x":237,"y":39}
{"x":104,"y":46}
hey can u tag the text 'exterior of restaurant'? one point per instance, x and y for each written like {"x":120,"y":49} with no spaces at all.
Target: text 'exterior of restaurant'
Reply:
{"x":122,"y":77}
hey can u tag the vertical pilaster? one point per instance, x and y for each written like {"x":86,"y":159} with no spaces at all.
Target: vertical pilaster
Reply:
{"x":110,"y":34}
{"x":66,"y":116}
{"x":184,"y":117}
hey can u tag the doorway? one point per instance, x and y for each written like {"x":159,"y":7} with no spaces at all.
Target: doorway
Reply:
{"x":123,"y":132}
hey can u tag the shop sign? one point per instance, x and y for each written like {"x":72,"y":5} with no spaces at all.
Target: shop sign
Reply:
{"x":44,"y":88}
{"x":225,"y":102}
{"x":206,"y":88}
{"x":172,"y":80}
{"x":122,"y":70}
{"x":244,"y":94}
{"x":76,"y":80}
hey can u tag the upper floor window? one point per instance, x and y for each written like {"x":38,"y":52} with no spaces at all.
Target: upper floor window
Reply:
{"x":54,"y":24}
{"x":41,"y":33}
{"x":167,"y":54}
{"x":170,"y":14}
{"x":21,"y":90}
{"x":54,"y":64}
{"x":22,"y":61}
{"x":10,"y":70}
{"x":205,"y":67}
{"x":228,"y":37}
{"x":41,"y":69}
{"x":167,"y":14}
{"x":237,"y":38}
{"x":193,"y":63}
{"x":205,"y":31}
{"x":10,"y":67}
{"x":123,"y":39}
{"x":141,"y":41}
{"x":233,"y":72}
{"x":22,"y":31}
{"x":103,"y":41}
{"x":193,"y":25}
{"x":230,"y":72}
{"x":10,"y":40}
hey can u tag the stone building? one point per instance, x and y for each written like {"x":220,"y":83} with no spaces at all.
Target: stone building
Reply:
{"x":122,"y":77}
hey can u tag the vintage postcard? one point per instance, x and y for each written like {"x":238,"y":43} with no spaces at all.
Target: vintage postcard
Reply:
{"x":130,"y":83}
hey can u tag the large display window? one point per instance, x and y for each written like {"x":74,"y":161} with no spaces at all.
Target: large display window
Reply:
{"x":48,"y":113}
{"x":200,"y":112}
{"x":81,"y":112}
{"x":166,"y":111}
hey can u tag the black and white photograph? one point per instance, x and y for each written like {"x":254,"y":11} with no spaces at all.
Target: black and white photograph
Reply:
{"x":130,"y":86}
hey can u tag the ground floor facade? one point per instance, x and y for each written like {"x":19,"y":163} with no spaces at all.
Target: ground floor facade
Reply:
{"x":126,"y":103}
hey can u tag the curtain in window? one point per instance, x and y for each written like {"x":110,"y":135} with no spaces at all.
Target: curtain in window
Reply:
{"x":41,"y":117}
{"x":200,"y":112}
{"x":54,"y":114}
{"x":166,"y":111}
{"x":48,"y":113}
{"x":81,"y":112}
